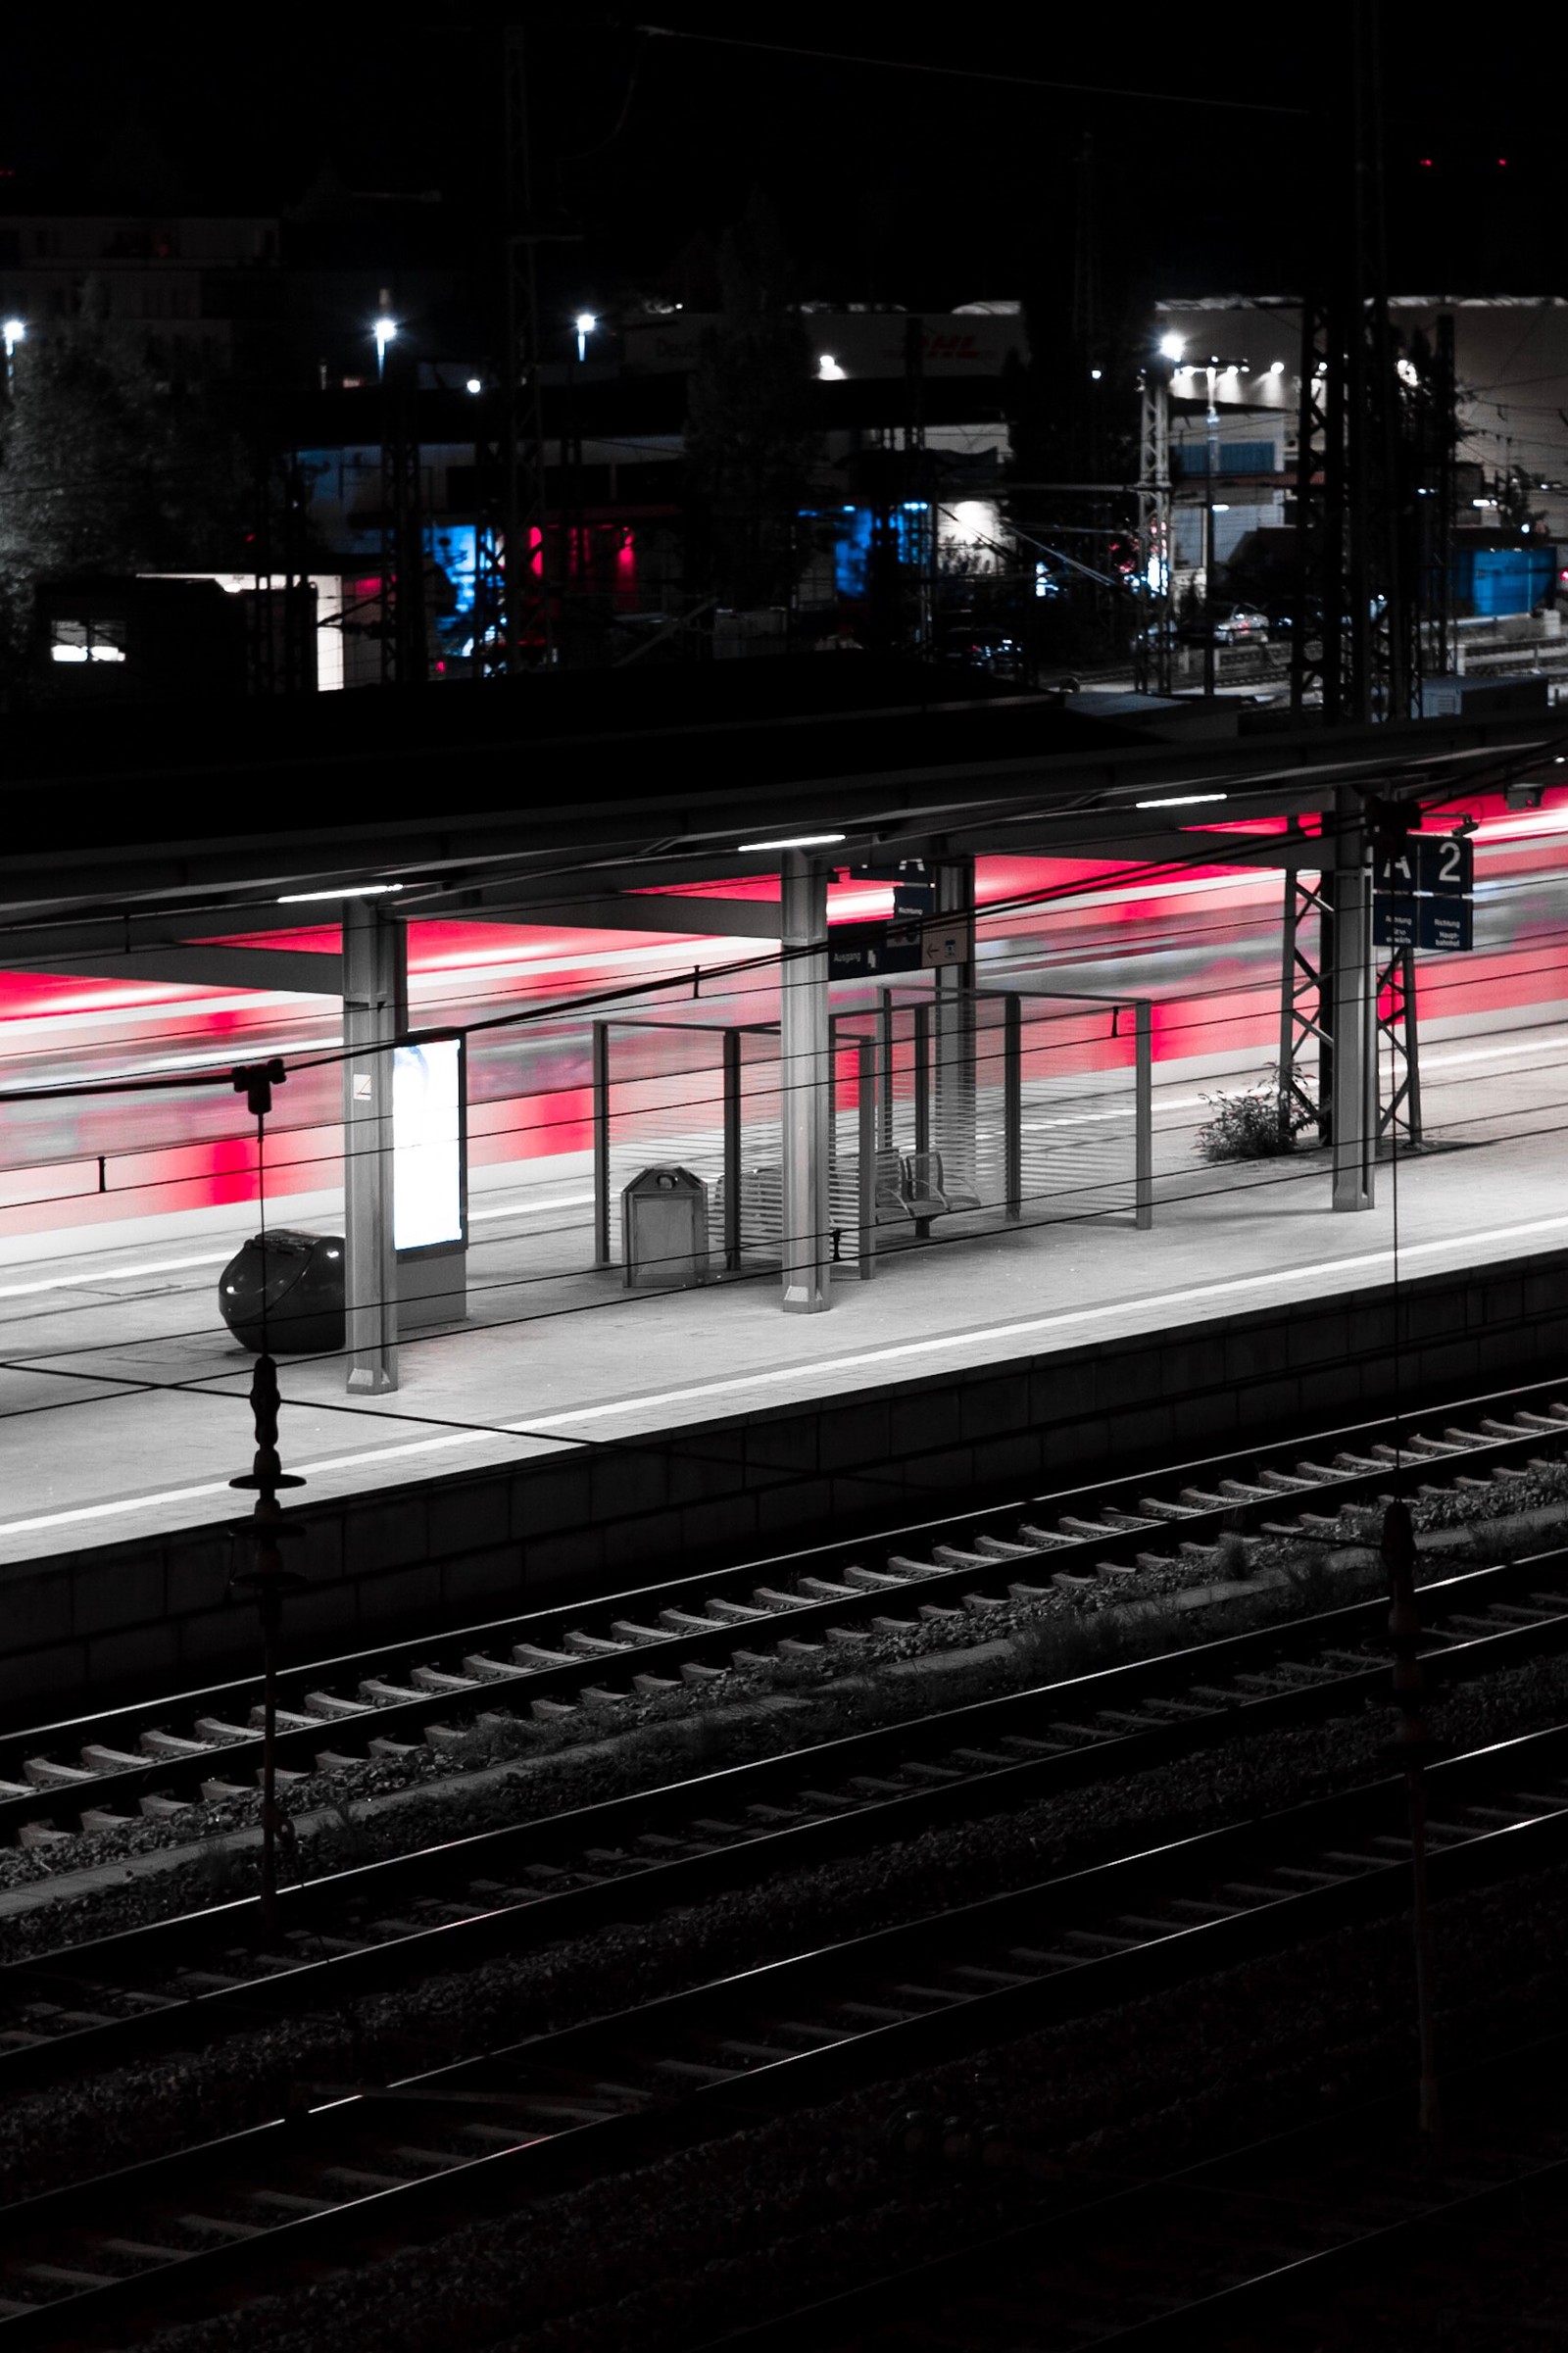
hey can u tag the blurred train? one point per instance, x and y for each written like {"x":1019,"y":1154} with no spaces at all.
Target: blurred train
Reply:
{"x":1201,"y":942}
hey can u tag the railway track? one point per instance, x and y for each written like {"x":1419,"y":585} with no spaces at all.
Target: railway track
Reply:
{"x":356,"y":1932}
{"x":1259,"y":2245}
{"x":58,"y":1781}
{"x":368,"y":2166}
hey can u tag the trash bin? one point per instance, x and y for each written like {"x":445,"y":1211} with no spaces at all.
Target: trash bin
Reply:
{"x":663,"y":1229}
{"x":301,"y":1277}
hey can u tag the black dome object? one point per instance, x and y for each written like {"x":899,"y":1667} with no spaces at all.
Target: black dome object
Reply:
{"x":301,"y":1277}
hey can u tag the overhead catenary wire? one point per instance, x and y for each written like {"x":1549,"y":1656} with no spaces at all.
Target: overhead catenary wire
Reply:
{"x":1262,"y":1177}
{"x":1198,"y":853}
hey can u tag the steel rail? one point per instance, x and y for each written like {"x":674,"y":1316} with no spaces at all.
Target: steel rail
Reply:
{"x":163,"y":1754}
{"x":578,"y":2104}
{"x":200,"y":1974}
{"x":1120,"y":2214}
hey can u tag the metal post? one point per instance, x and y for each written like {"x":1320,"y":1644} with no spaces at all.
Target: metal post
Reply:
{"x":732,"y":1152}
{"x":405,"y":653}
{"x":1152,"y":644}
{"x":955,"y":1074}
{"x":1303,"y":1004}
{"x":601,"y":1144}
{"x":1413,"y":1745}
{"x":865,"y":1107}
{"x":1355,"y":1100}
{"x":922,"y":1078}
{"x":1211,"y":422}
{"x":1396,"y":982}
{"x":1144,"y":1115}
{"x":270,"y":1600}
{"x":374,"y":1012}
{"x":269,"y":1580}
{"x":1012,"y":1103}
{"x":525,"y":506}
{"x":806,"y":1078}
{"x":885,"y":1080}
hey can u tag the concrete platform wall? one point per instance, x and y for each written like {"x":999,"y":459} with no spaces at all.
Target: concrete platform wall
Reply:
{"x":117,"y":1620}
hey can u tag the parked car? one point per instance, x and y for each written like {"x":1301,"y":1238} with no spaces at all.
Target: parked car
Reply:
{"x":978,"y":646}
{"x":1227,"y":625}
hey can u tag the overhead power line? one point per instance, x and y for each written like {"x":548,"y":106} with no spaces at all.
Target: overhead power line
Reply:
{"x":947,"y":73}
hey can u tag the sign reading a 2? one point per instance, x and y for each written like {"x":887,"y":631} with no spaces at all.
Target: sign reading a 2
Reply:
{"x":1439,"y":865}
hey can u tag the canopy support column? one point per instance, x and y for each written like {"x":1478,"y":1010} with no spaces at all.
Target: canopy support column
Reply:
{"x":806,"y":1081}
{"x":375,"y":997}
{"x":1355,"y":1116}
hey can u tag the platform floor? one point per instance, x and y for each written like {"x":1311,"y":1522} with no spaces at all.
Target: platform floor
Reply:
{"x":122,"y":1406}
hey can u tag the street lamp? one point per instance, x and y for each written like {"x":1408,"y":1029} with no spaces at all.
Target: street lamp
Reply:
{"x":1211,"y":436}
{"x":585,"y":324}
{"x":15,"y":332}
{"x":384,"y":330}
{"x":1171,"y":346}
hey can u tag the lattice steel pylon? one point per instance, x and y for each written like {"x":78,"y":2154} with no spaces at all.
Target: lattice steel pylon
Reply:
{"x":529,"y":616}
{"x":1305,"y":1006}
{"x":282,"y":610}
{"x":1400,"y":1103}
{"x":1357,"y":640}
{"x":1317,"y":653}
{"x":405,"y":655}
{"x":1152,"y":648}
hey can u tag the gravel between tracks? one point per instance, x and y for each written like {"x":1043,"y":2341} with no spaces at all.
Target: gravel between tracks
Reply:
{"x":114,"y":2118}
{"x":747,"y":2216}
{"x":206,"y":1854}
{"x":683,"y":2249}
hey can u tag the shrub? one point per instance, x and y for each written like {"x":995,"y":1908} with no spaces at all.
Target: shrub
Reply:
{"x":1258,"y":1124}
{"x":1235,"y":1554}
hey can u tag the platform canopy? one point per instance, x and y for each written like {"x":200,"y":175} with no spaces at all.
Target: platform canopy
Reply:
{"x":553,"y":798}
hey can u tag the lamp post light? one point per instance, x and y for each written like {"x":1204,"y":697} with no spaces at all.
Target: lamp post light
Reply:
{"x":1211,"y":433}
{"x":384,"y":330}
{"x":585,"y":324}
{"x":13,"y":331}
{"x":267,"y":1580}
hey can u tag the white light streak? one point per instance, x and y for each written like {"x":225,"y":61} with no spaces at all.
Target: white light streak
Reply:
{"x":795,"y":841}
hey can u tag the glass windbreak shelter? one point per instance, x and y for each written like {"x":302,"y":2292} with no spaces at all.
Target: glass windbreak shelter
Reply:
{"x":951,"y":1113}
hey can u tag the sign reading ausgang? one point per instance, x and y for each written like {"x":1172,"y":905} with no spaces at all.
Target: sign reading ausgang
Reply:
{"x":870,"y":951}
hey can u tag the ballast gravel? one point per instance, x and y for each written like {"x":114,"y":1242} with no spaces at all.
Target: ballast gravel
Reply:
{"x":126,"y":2114}
{"x":672,"y":2256}
{"x":205,"y":1855}
{"x":675,"y":2248}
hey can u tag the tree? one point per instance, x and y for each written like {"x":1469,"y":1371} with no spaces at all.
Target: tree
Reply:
{"x":106,"y":467}
{"x":749,"y":442}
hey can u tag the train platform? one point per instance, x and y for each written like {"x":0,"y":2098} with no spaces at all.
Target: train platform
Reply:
{"x":122,"y":1400}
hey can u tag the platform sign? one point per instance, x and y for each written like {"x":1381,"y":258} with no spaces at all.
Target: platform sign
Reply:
{"x":890,"y":870}
{"x":429,"y":1172}
{"x":1445,"y":924}
{"x":948,"y":939}
{"x":870,"y":951}
{"x":1421,"y":893}
{"x":907,"y":943}
{"x":1439,"y":865}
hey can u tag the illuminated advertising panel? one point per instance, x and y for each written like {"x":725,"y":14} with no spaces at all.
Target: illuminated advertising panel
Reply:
{"x":430,"y":1184}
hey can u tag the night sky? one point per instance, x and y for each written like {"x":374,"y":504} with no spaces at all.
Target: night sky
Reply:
{"x":922,"y":187}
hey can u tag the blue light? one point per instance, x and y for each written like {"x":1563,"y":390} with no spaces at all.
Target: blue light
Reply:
{"x":453,"y":546}
{"x":852,"y":555}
